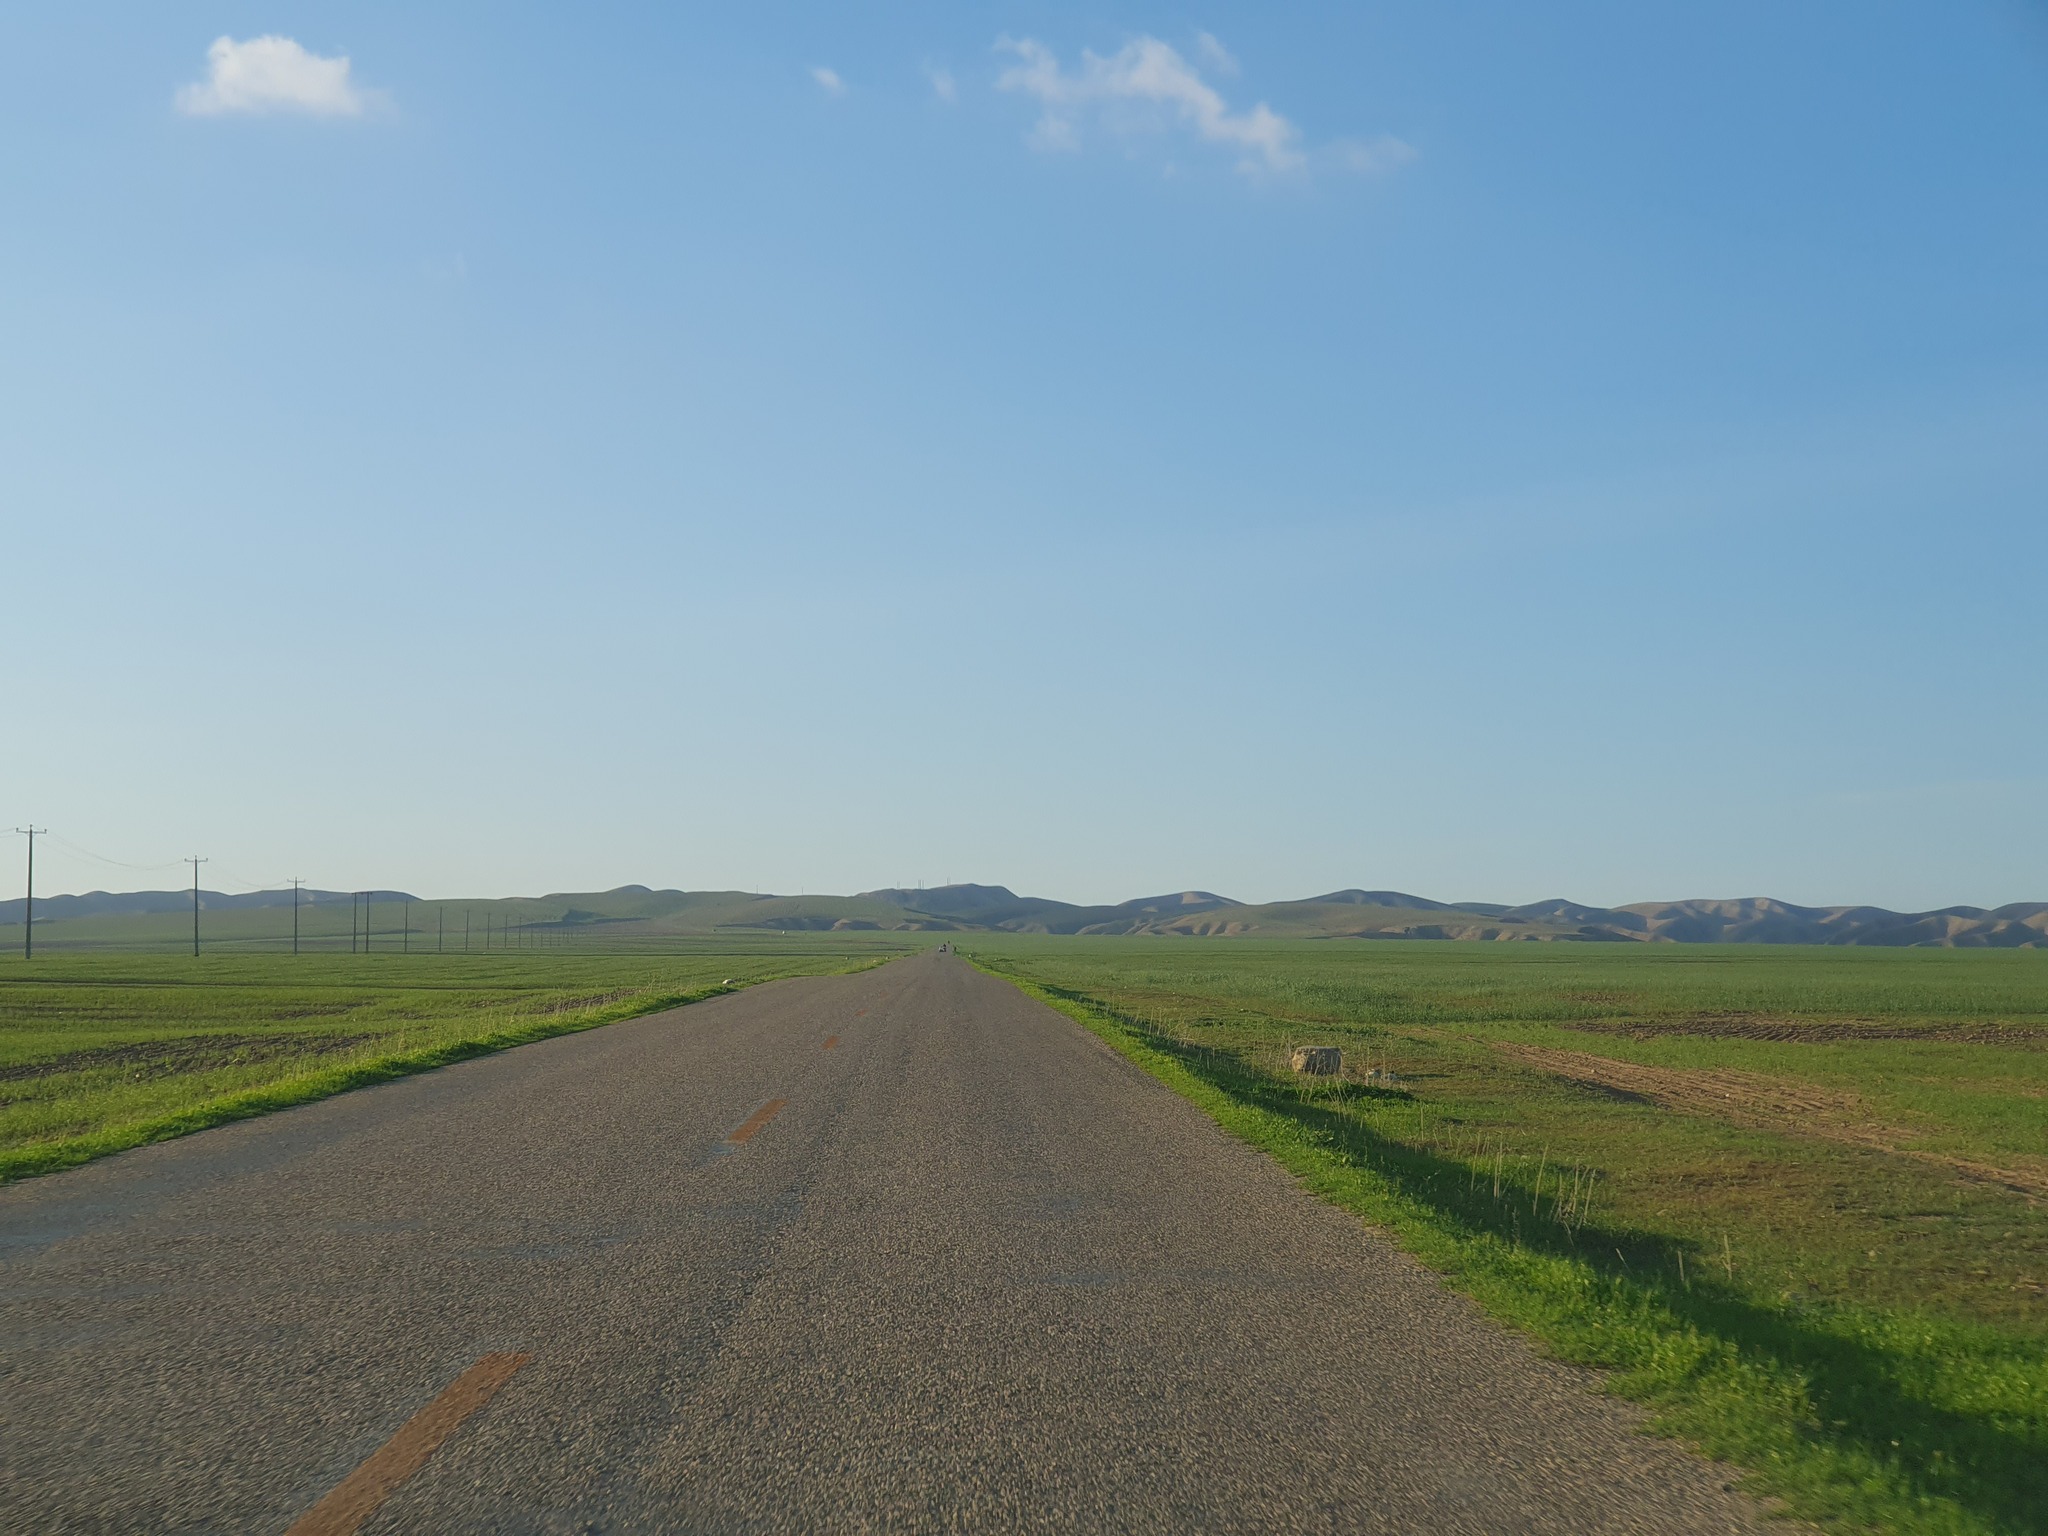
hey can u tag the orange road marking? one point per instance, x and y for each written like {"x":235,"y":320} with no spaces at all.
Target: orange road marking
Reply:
{"x":755,"y":1121}
{"x":356,"y":1497}
{"x":830,"y":1041}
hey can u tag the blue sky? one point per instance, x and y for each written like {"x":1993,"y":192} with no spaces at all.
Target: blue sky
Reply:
{"x":1487,"y":450}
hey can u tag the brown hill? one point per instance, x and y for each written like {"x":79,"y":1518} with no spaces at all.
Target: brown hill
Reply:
{"x":1761,"y":920}
{"x":629,"y":911}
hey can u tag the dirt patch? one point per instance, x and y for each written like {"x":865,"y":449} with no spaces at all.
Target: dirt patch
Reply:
{"x":191,"y":1053}
{"x":1764,"y":1103}
{"x":1757,"y":1026}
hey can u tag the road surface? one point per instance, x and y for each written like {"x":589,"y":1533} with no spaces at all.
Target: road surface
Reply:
{"x":901,"y":1251}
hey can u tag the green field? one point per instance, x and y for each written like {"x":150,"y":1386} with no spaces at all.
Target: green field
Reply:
{"x":1791,"y":1198}
{"x":103,"y":1051}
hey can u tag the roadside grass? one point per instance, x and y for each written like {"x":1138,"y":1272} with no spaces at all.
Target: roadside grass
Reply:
{"x":1865,"y":1331}
{"x":99,"y":1053}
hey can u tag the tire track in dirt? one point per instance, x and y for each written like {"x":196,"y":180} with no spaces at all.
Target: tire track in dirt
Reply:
{"x":1760,"y":1102}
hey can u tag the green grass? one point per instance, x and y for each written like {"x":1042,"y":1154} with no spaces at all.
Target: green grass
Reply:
{"x":623,"y":921}
{"x":1866,"y":1330}
{"x":99,"y":1053}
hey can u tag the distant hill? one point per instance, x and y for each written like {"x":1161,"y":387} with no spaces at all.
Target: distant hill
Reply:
{"x":51,"y":909}
{"x":1760,"y":920}
{"x":998,"y":907}
{"x":636,"y":911}
{"x":1366,"y":914}
{"x":1395,"y":899}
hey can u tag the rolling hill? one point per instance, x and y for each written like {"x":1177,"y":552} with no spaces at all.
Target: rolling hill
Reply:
{"x":639,"y":912}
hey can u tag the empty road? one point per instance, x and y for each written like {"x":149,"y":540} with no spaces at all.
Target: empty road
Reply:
{"x":902,"y":1251}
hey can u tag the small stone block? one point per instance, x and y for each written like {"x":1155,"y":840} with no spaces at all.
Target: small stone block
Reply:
{"x":1318,"y":1060}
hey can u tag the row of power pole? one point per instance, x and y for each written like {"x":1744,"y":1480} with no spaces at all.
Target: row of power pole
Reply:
{"x":28,"y":900}
{"x":359,"y":913}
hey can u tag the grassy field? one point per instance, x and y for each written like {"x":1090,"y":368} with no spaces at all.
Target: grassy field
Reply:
{"x":102,"y":1052}
{"x":630,"y":919}
{"x":1791,"y":1198}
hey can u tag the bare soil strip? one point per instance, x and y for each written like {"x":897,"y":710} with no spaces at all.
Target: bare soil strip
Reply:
{"x":1752,"y":1026}
{"x":1765,"y":1103}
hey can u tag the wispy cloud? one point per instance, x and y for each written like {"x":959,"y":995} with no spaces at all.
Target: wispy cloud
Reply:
{"x":272,"y":74}
{"x":828,"y":80}
{"x":1150,"y":86}
{"x":1219,"y":57}
{"x":1369,"y":157}
{"x":1144,"y":84}
{"x":944,"y":86}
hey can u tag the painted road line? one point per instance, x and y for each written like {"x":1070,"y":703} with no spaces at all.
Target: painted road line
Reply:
{"x":356,"y":1497}
{"x":830,"y":1041}
{"x":754,"y":1122}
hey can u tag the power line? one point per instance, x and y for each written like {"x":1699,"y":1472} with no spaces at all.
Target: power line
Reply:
{"x":70,"y":847}
{"x":251,"y":886}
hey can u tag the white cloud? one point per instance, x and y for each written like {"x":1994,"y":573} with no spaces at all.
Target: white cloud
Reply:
{"x":272,"y":74}
{"x":1369,"y":156}
{"x":1219,"y":57}
{"x":943,"y":85}
{"x":1054,"y":133}
{"x":1132,"y":87}
{"x":829,"y":79}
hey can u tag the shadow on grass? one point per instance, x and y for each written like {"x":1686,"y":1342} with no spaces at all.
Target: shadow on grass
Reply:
{"x":1866,"y":1400}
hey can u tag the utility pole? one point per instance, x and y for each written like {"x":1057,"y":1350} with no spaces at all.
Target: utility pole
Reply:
{"x":408,"y":925}
{"x":366,"y":920}
{"x":195,"y":863}
{"x":440,"y":929}
{"x":355,"y":901}
{"x":28,"y":909}
{"x":465,"y":930}
{"x":295,"y":914}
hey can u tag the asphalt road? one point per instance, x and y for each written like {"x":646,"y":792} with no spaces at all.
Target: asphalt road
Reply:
{"x":972,"y":1273}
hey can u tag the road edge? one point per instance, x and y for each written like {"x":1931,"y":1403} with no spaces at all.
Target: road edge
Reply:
{"x":1800,"y":1484}
{"x":33,"y":1161}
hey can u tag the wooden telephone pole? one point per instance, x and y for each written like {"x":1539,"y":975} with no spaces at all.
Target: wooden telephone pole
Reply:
{"x":195,"y":863}
{"x":28,"y":909}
